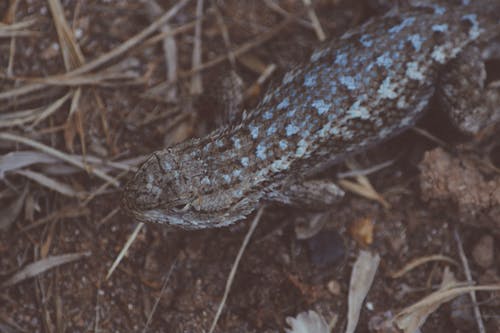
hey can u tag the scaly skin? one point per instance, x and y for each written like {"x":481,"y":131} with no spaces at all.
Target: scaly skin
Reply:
{"x":354,"y":92}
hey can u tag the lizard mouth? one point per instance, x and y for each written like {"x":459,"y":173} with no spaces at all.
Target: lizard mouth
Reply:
{"x":167,"y":218}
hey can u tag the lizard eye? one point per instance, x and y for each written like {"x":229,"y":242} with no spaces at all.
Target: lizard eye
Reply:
{"x":182,"y":208}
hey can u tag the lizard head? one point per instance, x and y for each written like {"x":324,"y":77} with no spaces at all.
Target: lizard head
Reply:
{"x":172,"y":188}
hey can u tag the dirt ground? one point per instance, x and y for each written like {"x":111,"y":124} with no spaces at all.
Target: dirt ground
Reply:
{"x":85,"y":99}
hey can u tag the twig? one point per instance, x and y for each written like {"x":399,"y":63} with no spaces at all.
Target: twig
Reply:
{"x":276,"y":8}
{"x":431,"y":137}
{"x":100,"y":190}
{"x":96,"y":321}
{"x":224,"y":32}
{"x":365,"y":172}
{"x":169,"y":49}
{"x":56,"y":153}
{"x":163,"y":287}
{"x":131,"y":42}
{"x":10,"y":18}
{"x":196,"y":82}
{"x":420,"y":261}
{"x":314,"y":20}
{"x":230,"y":278}
{"x":262,"y":38}
{"x":118,"y":51}
{"x":468,"y":275}
{"x":124,"y":250}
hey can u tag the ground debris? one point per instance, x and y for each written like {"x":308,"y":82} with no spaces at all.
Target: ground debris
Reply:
{"x":445,"y":179}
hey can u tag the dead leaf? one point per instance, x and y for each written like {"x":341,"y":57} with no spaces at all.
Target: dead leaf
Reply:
{"x":20,"y":159}
{"x":40,"y":266}
{"x":307,"y":322}
{"x":362,"y":275}
{"x":413,"y":317}
{"x":420,"y":261}
{"x":361,"y":230}
{"x":50,"y":183}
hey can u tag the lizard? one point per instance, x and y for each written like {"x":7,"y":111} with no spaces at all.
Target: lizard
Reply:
{"x":355,"y":91}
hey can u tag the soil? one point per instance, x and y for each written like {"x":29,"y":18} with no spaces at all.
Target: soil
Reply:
{"x":431,"y":191}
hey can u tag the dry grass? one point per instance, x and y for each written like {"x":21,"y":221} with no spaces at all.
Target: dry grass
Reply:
{"x":81,"y":105}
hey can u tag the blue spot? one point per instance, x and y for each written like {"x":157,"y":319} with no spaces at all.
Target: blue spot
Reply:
{"x":291,"y":113}
{"x":205,"y":181}
{"x":401,"y":45}
{"x":474,"y":31}
{"x":226,"y":178}
{"x":261,"y":151}
{"x":245,"y":161}
{"x":471,"y":18}
{"x":367,"y":80}
{"x":362,"y":113}
{"x":254,"y":131}
{"x":289,"y":77}
{"x":301,"y":148}
{"x":398,"y":28}
{"x":384,"y":60}
{"x":334,"y":130}
{"x":167,"y":166}
{"x":310,"y":80}
{"x":236,"y":143}
{"x":321,"y":106}
{"x":283,"y":104}
{"x":440,"y":27}
{"x":416,"y":40}
{"x":219,"y":143}
{"x":341,"y":59}
{"x":324,"y":131}
{"x":268,"y":114}
{"x":359,"y":60}
{"x":387,"y":89}
{"x":236,"y":173}
{"x":283,"y":144}
{"x":339,"y":101}
{"x":271,"y":130}
{"x":291,"y":129}
{"x":266,"y":99}
{"x":358,"y":111}
{"x":366,"y":40}
{"x":305,"y":133}
{"x":333,"y":87}
{"x":348,"y":81}
{"x":438,"y":10}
